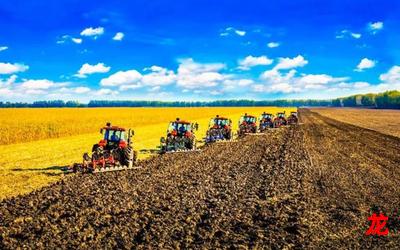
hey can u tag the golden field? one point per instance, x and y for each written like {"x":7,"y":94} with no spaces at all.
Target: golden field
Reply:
{"x":34,"y":143}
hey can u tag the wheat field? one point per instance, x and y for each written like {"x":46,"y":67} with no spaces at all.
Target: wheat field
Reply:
{"x":35,"y":143}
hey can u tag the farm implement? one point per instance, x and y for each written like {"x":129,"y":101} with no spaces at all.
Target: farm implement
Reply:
{"x":219,"y":130}
{"x":113,"y":152}
{"x":180,"y":137}
{"x":293,"y":118}
{"x":280,"y":120}
{"x":247,"y":125}
{"x":266,"y":121}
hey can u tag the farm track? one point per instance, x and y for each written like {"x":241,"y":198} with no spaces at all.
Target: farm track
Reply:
{"x":306,"y":186}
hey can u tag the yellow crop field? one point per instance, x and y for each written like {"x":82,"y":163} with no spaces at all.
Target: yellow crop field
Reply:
{"x":35,"y":143}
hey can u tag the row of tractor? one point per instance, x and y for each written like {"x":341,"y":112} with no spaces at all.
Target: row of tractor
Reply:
{"x":115,"y":150}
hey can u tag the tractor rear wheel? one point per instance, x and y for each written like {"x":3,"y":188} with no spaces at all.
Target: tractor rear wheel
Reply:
{"x":128,"y":157}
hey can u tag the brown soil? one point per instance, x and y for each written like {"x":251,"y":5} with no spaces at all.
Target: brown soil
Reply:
{"x":386,"y":121}
{"x":311,"y":185}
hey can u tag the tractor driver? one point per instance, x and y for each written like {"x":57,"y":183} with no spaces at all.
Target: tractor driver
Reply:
{"x":182,"y":129}
{"x":114,"y":136}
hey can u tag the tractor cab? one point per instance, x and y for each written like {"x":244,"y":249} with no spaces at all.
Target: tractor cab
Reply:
{"x":281,"y":115}
{"x":219,"y":122}
{"x":266,"y":116}
{"x":247,"y":119}
{"x":114,"y":136}
{"x":180,"y":128}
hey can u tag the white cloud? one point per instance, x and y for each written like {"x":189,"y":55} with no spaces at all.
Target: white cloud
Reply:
{"x":8,"y":82}
{"x":120,"y":78}
{"x":231,"y":30}
{"x":240,"y":32}
{"x":392,"y":76}
{"x":319,"y":79}
{"x":92,"y":31}
{"x":37,"y":84}
{"x":365,"y":63}
{"x":81,"y":90}
{"x":273,"y":45}
{"x":274,"y":81}
{"x":290,"y":63}
{"x":2,"y":48}
{"x":9,"y":68}
{"x":360,"y":85}
{"x":118,"y":36}
{"x":88,"y":69}
{"x":77,"y":40}
{"x":356,"y":35}
{"x":192,"y":75}
{"x":158,"y":76}
{"x":105,"y":92}
{"x":375,"y":27}
{"x":251,"y":61}
{"x":347,"y":33}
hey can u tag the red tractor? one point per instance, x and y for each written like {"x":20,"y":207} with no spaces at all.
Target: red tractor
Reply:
{"x":280,"y":120}
{"x":247,"y":125}
{"x":266,"y":121}
{"x":113,"y":152}
{"x":293,"y":118}
{"x":180,"y":137}
{"x":219,"y":129}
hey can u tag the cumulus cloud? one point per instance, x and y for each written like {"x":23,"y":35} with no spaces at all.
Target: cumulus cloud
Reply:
{"x":158,"y":76}
{"x":2,"y":48}
{"x":375,"y":27}
{"x":106,"y":92}
{"x":10,"y":68}
{"x":392,"y":76}
{"x":192,"y":75}
{"x":77,"y":40}
{"x":81,"y":90}
{"x":88,"y":69}
{"x":93,"y":31}
{"x":230,"y":30}
{"x":118,"y":36}
{"x":274,"y":81}
{"x":8,"y":82}
{"x":37,"y":84}
{"x":67,"y":38}
{"x":290,"y":63}
{"x":127,"y":78}
{"x":365,"y":63}
{"x":273,"y":45}
{"x":251,"y":61}
{"x":348,"y":34}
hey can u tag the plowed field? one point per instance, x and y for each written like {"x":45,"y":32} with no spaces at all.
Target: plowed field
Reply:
{"x":312,"y":185}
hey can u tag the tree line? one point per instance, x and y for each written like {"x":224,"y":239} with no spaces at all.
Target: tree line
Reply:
{"x":388,"y":99}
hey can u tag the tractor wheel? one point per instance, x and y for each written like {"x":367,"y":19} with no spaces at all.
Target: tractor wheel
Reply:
{"x":95,"y":147}
{"x":128,"y":157}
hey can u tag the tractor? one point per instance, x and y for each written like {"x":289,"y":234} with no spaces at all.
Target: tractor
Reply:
{"x":113,"y":152}
{"x":180,"y":137}
{"x":247,"y":125}
{"x":293,"y":118}
{"x":280,"y":120}
{"x":266,"y":121}
{"x":219,"y":129}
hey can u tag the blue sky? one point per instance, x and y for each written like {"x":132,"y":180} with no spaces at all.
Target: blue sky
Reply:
{"x":197,"y":50}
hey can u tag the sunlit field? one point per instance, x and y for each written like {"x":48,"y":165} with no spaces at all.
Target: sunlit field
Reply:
{"x":34,"y":143}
